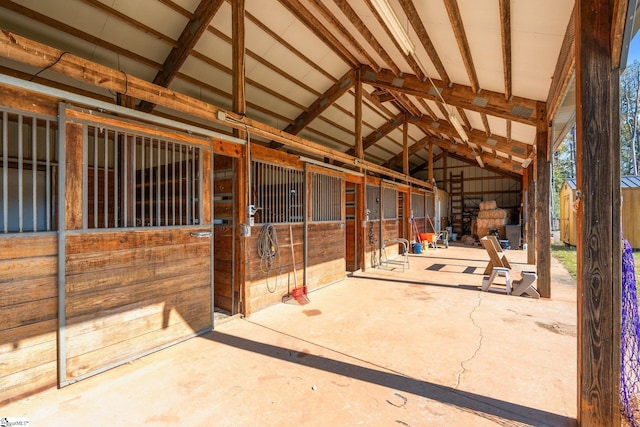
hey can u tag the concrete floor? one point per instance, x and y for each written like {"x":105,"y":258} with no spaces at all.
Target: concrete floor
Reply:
{"x":422,"y":347}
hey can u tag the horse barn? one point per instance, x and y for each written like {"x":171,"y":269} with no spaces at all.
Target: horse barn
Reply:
{"x":166,"y":163}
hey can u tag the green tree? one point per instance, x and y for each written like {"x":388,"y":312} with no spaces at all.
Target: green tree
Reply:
{"x":629,"y":109}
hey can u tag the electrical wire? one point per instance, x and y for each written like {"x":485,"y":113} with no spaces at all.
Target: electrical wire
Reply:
{"x":48,"y":66}
{"x":268,"y":252}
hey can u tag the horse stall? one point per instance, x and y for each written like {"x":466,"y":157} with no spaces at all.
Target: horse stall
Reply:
{"x":630,"y":188}
{"x":108,"y":221}
{"x":297,"y":229}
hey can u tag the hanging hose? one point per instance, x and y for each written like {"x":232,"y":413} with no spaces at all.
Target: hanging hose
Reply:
{"x":268,"y":251}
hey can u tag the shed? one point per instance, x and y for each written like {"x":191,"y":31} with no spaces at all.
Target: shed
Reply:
{"x":630,"y":186}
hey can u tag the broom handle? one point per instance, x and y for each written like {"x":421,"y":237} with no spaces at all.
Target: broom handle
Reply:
{"x":293,"y":258}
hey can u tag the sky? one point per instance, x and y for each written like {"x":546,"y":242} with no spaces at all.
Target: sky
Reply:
{"x":634,"y":49}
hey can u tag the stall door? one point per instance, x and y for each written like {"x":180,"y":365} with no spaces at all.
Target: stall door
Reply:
{"x":136,"y":240}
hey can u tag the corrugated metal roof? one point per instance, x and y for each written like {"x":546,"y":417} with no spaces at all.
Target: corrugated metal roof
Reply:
{"x":627,"y":181}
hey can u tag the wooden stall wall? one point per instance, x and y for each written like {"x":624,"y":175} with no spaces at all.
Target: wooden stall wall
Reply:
{"x":29,"y":307}
{"x":268,"y":280}
{"x":372,"y":244}
{"x":129,"y":292}
{"x":28,"y":285}
{"x":326,"y":257}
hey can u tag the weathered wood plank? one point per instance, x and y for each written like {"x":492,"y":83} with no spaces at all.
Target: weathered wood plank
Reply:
{"x":15,"y":339}
{"x":28,"y":357}
{"x":24,"y":289}
{"x":28,"y":381}
{"x":73,"y":177}
{"x":30,"y":312}
{"x":28,"y":245}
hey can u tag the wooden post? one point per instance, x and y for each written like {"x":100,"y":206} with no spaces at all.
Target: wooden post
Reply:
{"x":430,"y":160}
{"x":542,"y":197}
{"x":241,"y":175}
{"x":358,"y":148}
{"x":531,"y":215}
{"x":598,"y":216}
{"x":405,"y":147}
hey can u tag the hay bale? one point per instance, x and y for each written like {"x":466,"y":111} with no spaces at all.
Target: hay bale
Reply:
{"x":488,"y":206}
{"x":468,"y":240}
{"x":493,"y":214}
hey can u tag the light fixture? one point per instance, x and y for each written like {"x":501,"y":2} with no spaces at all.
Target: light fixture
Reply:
{"x":328,"y":166}
{"x":526,"y":162}
{"x":479,"y":160}
{"x":458,"y":127}
{"x":393,"y":24}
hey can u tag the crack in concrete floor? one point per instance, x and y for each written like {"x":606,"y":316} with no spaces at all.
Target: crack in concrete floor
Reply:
{"x":475,"y":352}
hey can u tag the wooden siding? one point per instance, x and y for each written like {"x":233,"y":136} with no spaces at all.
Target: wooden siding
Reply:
{"x":630,"y":209}
{"x":131,"y":292}
{"x":325,"y":262}
{"x":29,"y":307}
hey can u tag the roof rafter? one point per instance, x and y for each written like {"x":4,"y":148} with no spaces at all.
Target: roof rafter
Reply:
{"x":463,"y":44}
{"x":423,"y":36}
{"x":312,"y":23}
{"x":508,"y":170}
{"x":477,"y":137}
{"x":190,"y":35}
{"x":380,"y":133}
{"x":505,"y":30}
{"x":565,"y":65}
{"x":355,"y":20}
{"x":413,"y":149}
{"x":518,"y":109}
{"x":335,"y":23}
{"x":330,"y":96}
{"x":424,"y":164}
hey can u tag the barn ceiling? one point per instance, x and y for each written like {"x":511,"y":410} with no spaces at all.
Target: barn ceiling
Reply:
{"x":489,"y":63}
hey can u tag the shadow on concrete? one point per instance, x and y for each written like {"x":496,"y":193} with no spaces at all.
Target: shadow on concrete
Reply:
{"x":465,"y":287}
{"x":501,"y":412}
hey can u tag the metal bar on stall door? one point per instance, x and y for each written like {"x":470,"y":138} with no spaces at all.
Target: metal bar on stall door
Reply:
{"x":143,"y":154}
{"x":85,"y":174}
{"x":96,"y":177}
{"x":34,"y":173}
{"x":20,"y":194}
{"x":105,"y":196}
{"x":125,"y":181}
{"x":158,"y":186}
{"x":116,"y":157}
{"x":180,"y":182}
{"x":150,"y":182}
{"x":47,"y":144}
{"x":187,"y":186}
{"x":5,"y":172}
{"x":173,"y":182}
{"x":166,"y":184}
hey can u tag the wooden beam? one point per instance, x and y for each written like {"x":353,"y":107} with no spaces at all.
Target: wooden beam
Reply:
{"x":620,"y":8}
{"x":316,"y":27}
{"x":505,"y":31}
{"x":485,"y":123}
{"x":505,"y":165}
{"x":430,"y":160}
{"x":91,"y":73}
{"x":381,"y":132}
{"x":478,"y":137}
{"x":518,"y":109}
{"x":357,"y":144}
{"x":423,"y":36}
{"x":329,"y":97}
{"x":491,"y":168}
{"x":405,"y":148}
{"x":337,"y":25}
{"x":45,"y":20}
{"x":463,"y":44}
{"x":530,"y":212}
{"x":425,"y":164}
{"x":598,"y":227}
{"x":363,"y":29}
{"x":190,"y":35}
{"x":413,"y":149}
{"x":543,"y":197}
{"x":565,"y":66}
{"x":237,"y":56}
